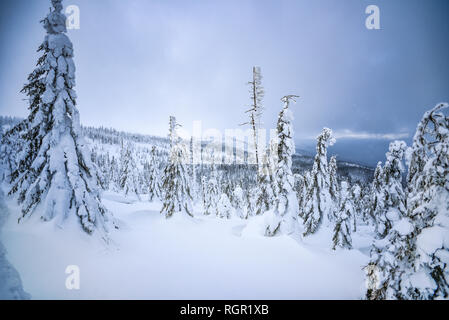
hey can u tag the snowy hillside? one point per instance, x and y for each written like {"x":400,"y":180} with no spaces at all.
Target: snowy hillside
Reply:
{"x":182,"y":258}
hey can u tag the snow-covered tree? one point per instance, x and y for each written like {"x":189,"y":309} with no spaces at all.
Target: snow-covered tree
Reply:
{"x":286,"y":204}
{"x":428,"y":207}
{"x":128,"y":176}
{"x":194,"y":187}
{"x":55,"y":168}
{"x":265,"y":194}
{"x":390,"y":260}
{"x":392,"y":190}
{"x":357,"y":199}
{"x":377,"y":194}
{"x":390,"y":252}
{"x":239,"y":203}
{"x":154,"y":183}
{"x":224,"y":207}
{"x":255,"y":111}
{"x":307,"y":182}
{"x":10,"y":145}
{"x":333,"y":185}
{"x":318,"y":203}
{"x":211,"y":193}
{"x":251,"y":202}
{"x":344,"y":214}
{"x":175,"y":185}
{"x":299,"y":189}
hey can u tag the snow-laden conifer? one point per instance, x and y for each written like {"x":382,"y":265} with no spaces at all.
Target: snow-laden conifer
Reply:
{"x":154,"y":180}
{"x":318,"y":204}
{"x":175,"y":184}
{"x":391,"y":188}
{"x":224,"y":207}
{"x":428,"y":207}
{"x":344,"y":215}
{"x":286,"y":204}
{"x":128,"y":176}
{"x":54,"y":168}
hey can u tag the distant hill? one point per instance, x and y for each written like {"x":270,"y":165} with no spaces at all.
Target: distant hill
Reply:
{"x":302,"y":160}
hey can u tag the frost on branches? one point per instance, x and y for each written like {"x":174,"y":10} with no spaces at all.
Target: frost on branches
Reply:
{"x":54,"y":167}
{"x":286,"y":203}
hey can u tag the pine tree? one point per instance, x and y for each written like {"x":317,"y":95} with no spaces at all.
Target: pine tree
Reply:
{"x":342,"y":229}
{"x":318,"y":204}
{"x":286,"y":204}
{"x":175,"y":185}
{"x":428,"y":207}
{"x":55,"y":168}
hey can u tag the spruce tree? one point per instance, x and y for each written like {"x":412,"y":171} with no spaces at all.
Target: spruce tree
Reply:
{"x":391,"y":188}
{"x":357,"y":199}
{"x":428,"y":207}
{"x":54,"y":168}
{"x":390,"y":252}
{"x":344,"y":214}
{"x":239,"y":203}
{"x":333,"y":185}
{"x":318,"y":203}
{"x":154,"y":184}
{"x":175,"y":185}
{"x":299,"y":189}
{"x":286,"y":204}
{"x":224,"y":207}
{"x":128,"y":180}
{"x":251,"y":202}
{"x":211,"y":193}
{"x":265,"y":194}
{"x":377,"y":195}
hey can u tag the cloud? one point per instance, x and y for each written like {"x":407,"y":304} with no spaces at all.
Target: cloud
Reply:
{"x":361,"y":135}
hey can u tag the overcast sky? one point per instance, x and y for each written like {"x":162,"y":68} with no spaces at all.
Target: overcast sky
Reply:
{"x":139,"y":61}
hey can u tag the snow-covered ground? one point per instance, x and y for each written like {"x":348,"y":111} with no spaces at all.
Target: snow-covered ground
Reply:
{"x":10,"y":283}
{"x":151,"y":257}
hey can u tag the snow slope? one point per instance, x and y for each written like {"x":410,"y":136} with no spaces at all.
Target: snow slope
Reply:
{"x":180,"y":258}
{"x":10,"y":283}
